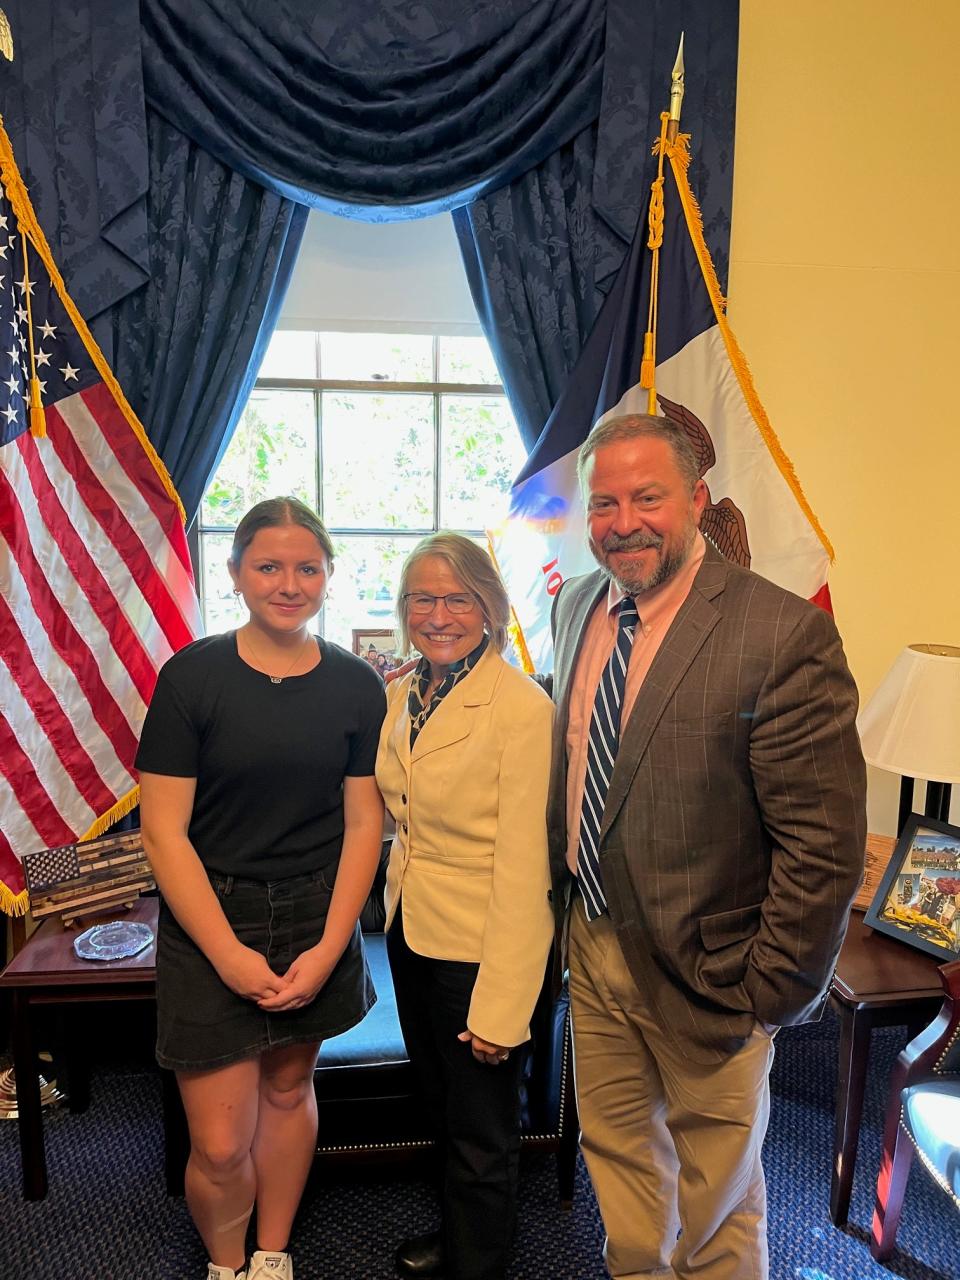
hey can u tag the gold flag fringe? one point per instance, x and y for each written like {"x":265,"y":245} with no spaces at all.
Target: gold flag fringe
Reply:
{"x":678,"y":153}
{"x":119,"y":810}
{"x":519,"y":642}
{"x":13,"y":904}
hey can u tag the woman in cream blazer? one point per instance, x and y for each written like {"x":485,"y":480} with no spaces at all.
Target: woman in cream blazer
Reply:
{"x":463,"y":765}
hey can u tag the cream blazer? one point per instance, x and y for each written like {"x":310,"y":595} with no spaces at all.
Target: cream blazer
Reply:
{"x":470,"y":852}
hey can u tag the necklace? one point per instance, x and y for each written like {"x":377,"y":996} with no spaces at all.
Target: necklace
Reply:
{"x":277,"y":679}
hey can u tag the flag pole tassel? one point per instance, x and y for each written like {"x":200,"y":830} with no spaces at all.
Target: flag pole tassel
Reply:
{"x":648,"y":361}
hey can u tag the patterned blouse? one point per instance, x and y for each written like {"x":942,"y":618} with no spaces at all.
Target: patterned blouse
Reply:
{"x":420,"y":710}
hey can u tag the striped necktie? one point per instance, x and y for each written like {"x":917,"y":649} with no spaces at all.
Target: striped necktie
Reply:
{"x":602,"y":746}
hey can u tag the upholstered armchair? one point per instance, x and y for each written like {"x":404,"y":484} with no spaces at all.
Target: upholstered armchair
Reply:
{"x":923,"y":1115}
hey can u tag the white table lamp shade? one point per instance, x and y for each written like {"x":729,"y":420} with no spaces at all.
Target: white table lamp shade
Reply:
{"x":911,"y":725}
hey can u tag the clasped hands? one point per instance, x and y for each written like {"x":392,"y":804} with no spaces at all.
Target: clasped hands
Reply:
{"x":247,"y":973}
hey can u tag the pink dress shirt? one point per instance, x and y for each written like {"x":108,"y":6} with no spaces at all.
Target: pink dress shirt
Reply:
{"x":657,"y":609}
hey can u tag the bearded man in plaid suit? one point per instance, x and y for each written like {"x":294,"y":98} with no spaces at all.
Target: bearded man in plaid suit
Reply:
{"x":707,"y":827}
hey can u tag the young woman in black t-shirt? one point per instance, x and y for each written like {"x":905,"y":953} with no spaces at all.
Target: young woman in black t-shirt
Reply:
{"x":263,"y":822}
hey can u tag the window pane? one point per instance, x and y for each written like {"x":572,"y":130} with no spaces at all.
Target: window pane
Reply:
{"x":377,"y":460}
{"x":364,"y":585}
{"x":377,"y":357}
{"x":222,"y":610}
{"x":272,"y":453}
{"x":292,"y":353}
{"x":467,"y":360}
{"x":481,"y":454}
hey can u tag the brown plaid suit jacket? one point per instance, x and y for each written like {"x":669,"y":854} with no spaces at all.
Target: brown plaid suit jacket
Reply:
{"x":734,"y":830}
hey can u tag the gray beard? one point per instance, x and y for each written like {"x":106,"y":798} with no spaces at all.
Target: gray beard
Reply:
{"x":668,"y":567}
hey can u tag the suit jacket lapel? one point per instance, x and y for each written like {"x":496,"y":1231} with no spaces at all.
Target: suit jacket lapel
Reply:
{"x":400,"y":729}
{"x":696,"y":618}
{"x":590,"y":591}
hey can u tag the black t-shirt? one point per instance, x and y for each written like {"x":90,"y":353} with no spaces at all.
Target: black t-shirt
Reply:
{"x":269,"y":759}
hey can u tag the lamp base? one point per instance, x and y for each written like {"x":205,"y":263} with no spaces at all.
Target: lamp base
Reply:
{"x":936,"y":802}
{"x":49,"y":1094}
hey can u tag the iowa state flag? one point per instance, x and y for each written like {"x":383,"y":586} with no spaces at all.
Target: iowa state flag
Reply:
{"x":96,"y":588}
{"x":757,"y":514}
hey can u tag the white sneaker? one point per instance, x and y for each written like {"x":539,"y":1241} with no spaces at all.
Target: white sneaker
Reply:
{"x":225,"y":1273}
{"x":265,"y":1265}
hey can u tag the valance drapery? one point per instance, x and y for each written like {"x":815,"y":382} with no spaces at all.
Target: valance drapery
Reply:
{"x":382,"y":108}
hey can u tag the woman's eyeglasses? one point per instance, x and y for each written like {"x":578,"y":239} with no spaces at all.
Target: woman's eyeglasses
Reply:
{"x":457,"y":602}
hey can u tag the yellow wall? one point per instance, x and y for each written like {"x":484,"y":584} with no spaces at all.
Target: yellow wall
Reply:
{"x":844,"y":291}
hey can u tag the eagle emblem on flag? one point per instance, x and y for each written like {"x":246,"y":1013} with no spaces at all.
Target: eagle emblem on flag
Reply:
{"x":722,"y":522}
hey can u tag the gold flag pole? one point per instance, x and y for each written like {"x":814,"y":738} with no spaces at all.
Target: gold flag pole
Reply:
{"x":669,"y":129}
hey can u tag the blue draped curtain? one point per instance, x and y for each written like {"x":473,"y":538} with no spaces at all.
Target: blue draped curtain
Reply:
{"x":186,"y":346}
{"x":531,"y":254}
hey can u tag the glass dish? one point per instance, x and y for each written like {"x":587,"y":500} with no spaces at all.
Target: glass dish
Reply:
{"x":115,"y":940}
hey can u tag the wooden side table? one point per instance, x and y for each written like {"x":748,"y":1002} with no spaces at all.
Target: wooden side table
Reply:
{"x":47,"y":971}
{"x":879,"y":982}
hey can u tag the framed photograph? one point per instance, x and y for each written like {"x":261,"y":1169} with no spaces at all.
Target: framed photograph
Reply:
{"x":379,"y":648}
{"x":919,"y":896}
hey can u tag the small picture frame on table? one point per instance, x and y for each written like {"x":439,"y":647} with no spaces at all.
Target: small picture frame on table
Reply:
{"x":379,"y":648}
{"x":918,"y":900}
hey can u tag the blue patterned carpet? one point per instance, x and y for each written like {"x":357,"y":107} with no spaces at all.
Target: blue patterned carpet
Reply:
{"x":107,"y":1217}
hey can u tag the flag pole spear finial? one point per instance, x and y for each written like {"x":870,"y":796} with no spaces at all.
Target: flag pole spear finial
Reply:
{"x":6,"y":37}
{"x":676,"y":94}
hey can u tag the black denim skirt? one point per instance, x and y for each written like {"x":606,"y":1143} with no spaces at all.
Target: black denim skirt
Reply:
{"x":202,"y":1024}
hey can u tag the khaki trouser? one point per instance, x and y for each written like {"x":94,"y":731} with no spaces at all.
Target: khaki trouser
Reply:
{"x":672,"y":1145}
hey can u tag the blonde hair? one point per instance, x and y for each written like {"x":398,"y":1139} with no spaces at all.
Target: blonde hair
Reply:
{"x":475,"y":570}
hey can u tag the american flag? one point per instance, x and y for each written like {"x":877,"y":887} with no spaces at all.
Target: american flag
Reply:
{"x":96,"y":587}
